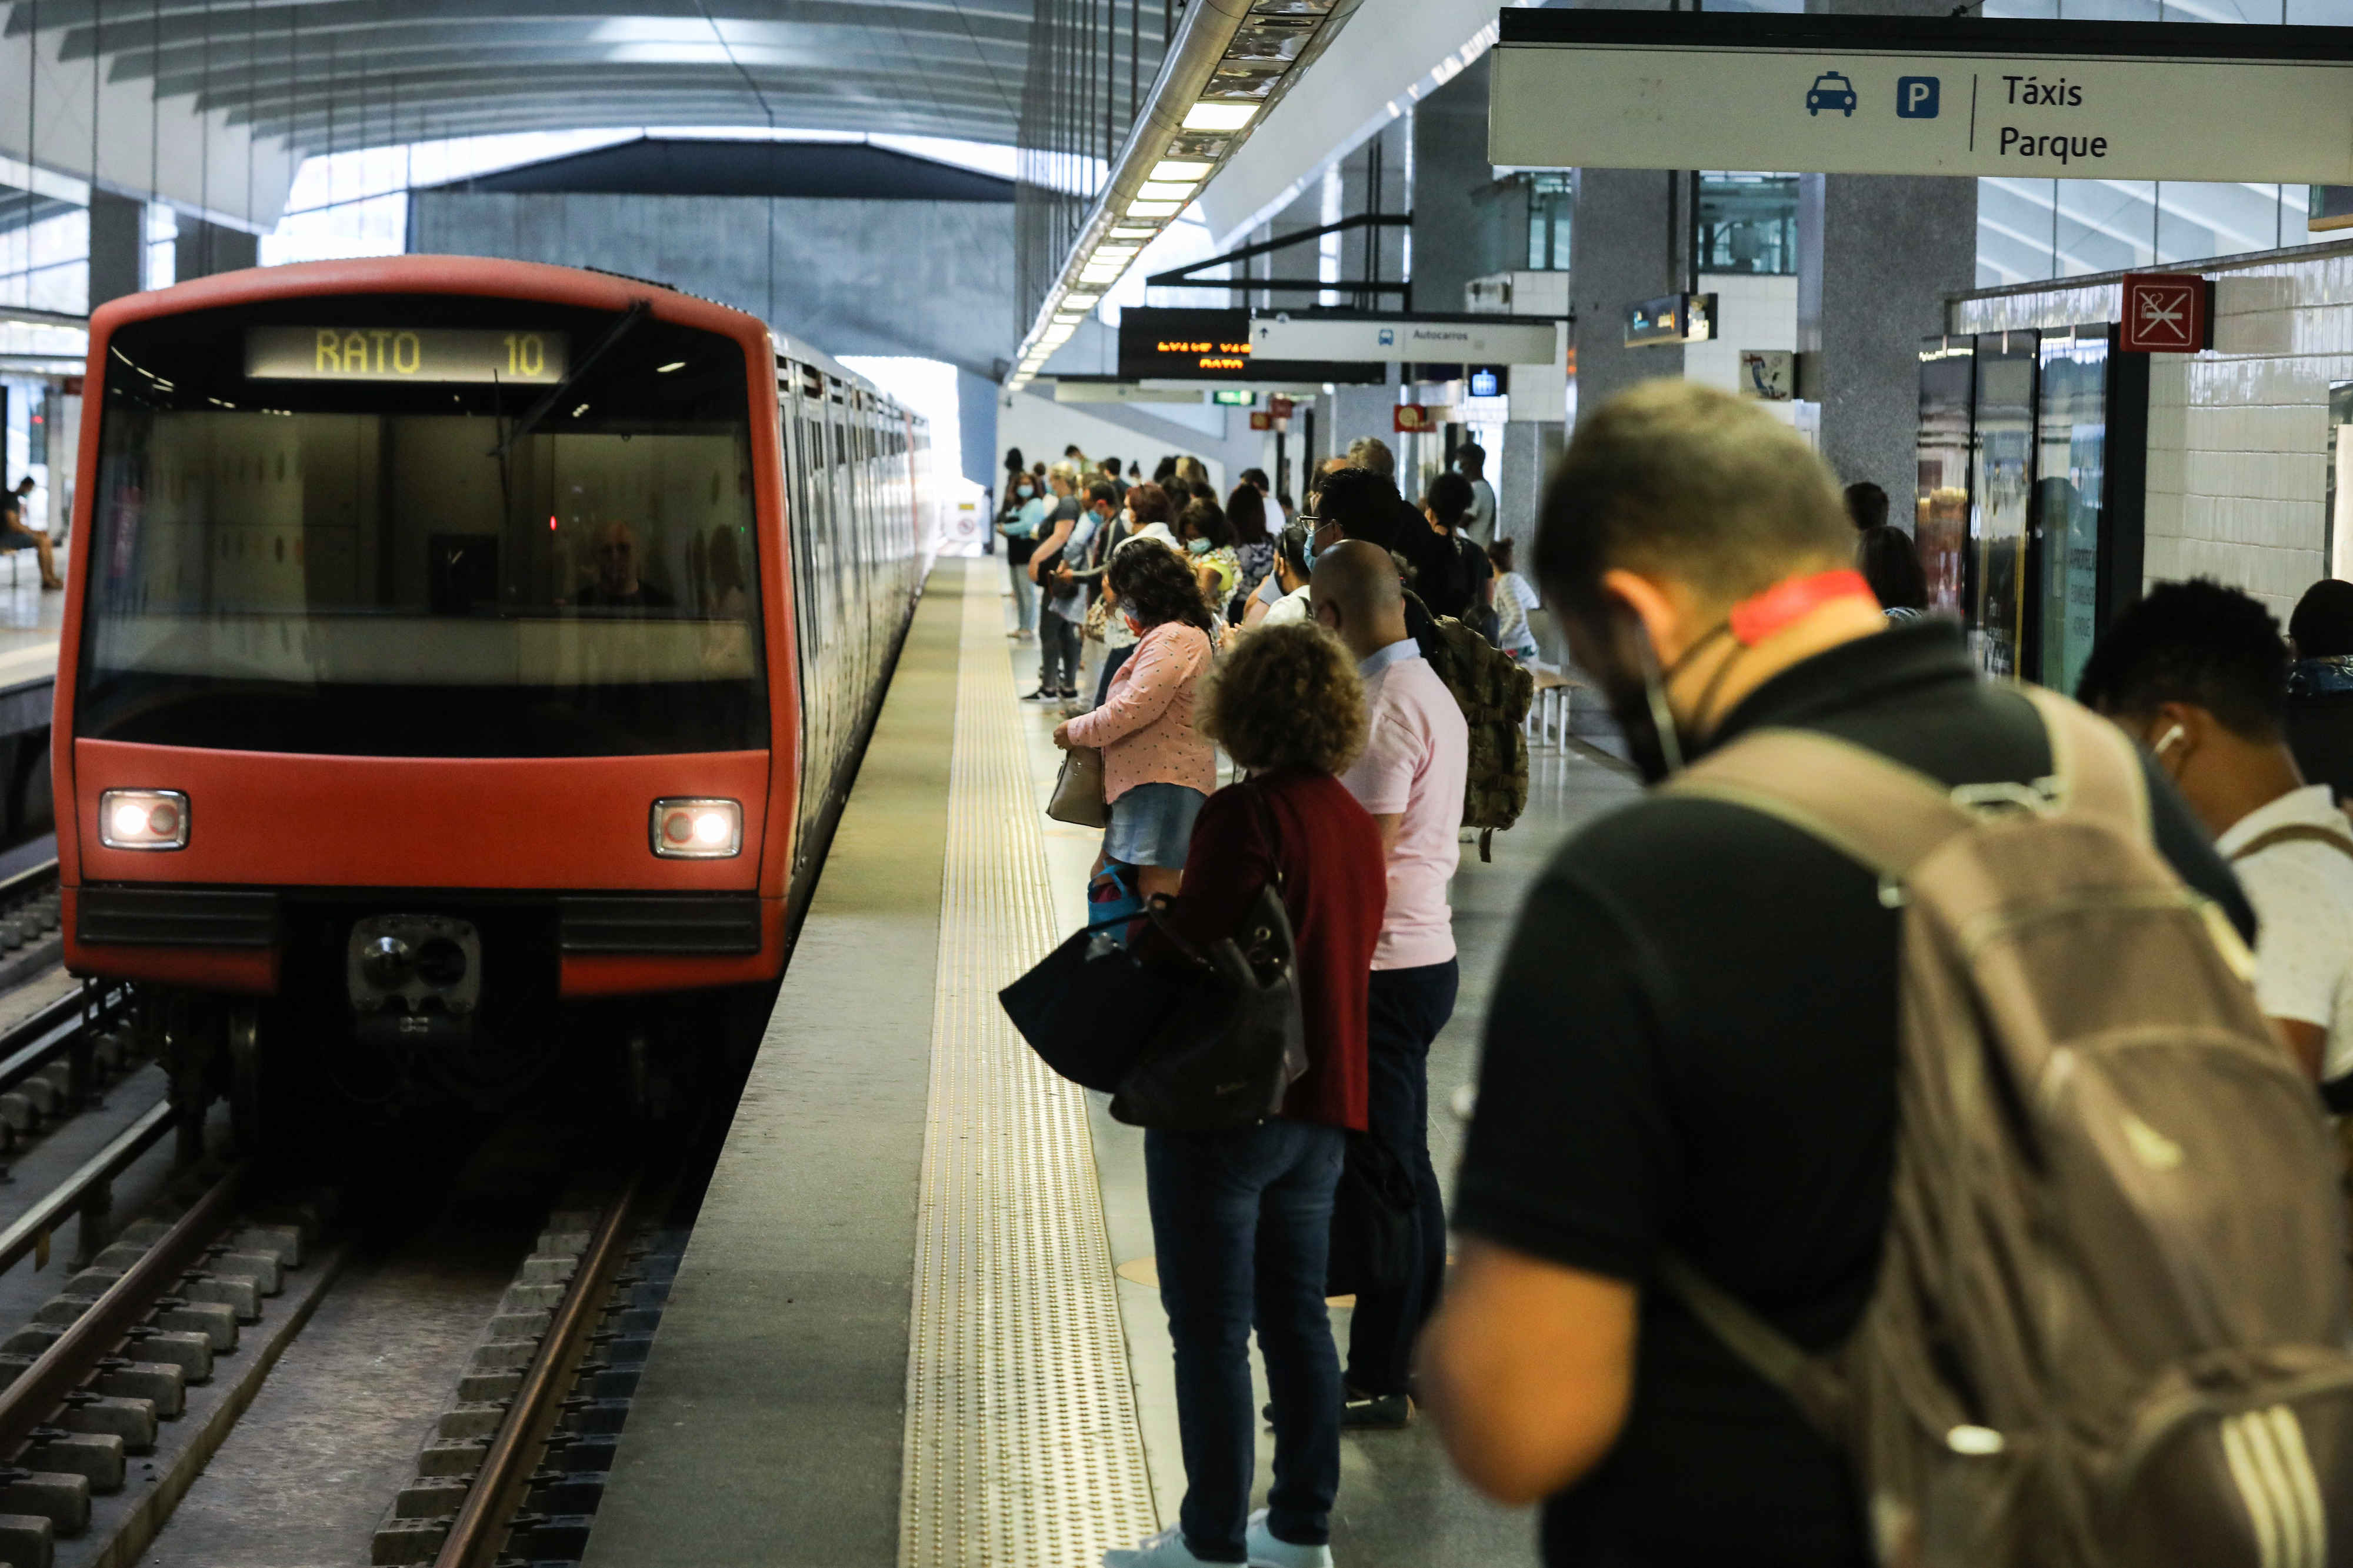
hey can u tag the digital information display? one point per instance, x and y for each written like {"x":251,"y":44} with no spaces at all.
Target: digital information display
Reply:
{"x":404,"y":353}
{"x":1168,"y":344}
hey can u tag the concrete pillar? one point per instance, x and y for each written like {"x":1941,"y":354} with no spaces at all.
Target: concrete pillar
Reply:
{"x":1877,"y":253}
{"x":118,"y":246}
{"x":204,"y":249}
{"x":976,"y":418}
{"x":1627,"y":245}
{"x":1449,"y":165}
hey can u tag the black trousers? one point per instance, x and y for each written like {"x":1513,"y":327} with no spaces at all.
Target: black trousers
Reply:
{"x":1058,"y":650}
{"x":1408,"y":1007}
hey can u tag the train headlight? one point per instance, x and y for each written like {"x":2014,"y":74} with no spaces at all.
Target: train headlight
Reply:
{"x":142,"y":819}
{"x":697,"y":829}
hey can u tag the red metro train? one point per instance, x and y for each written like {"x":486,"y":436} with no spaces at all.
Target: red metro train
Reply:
{"x":462,"y":668}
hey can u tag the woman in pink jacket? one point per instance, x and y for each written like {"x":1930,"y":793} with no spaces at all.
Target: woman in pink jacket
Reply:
{"x":1157,"y":768}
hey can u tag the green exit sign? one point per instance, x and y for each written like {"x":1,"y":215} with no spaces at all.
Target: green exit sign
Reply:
{"x":1234,"y":397}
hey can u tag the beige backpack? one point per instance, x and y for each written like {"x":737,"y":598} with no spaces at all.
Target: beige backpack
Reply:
{"x":2111,"y":1326}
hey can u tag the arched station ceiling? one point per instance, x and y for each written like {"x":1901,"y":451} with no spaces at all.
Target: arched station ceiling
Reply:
{"x":301,"y":79}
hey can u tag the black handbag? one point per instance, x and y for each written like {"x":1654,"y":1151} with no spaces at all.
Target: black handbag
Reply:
{"x":1372,"y":1221}
{"x":1238,"y":1039}
{"x":1085,"y":1005}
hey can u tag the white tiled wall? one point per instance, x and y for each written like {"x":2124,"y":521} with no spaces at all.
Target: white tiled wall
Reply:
{"x":1751,"y":313}
{"x":2238,"y":437}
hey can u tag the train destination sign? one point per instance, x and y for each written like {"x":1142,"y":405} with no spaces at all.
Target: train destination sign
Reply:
{"x":404,"y":353}
{"x":1901,"y":94}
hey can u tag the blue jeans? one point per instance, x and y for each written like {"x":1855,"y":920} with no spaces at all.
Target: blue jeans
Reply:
{"x":1407,"y":1007}
{"x":1025,"y":595}
{"x":1243,"y":1219}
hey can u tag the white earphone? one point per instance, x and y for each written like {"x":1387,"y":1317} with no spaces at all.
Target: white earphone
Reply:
{"x":2176,"y":733}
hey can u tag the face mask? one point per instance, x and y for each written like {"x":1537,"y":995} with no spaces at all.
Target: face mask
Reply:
{"x":1024,"y":490}
{"x":1635,"y":688}
{"x":1197,"y":546}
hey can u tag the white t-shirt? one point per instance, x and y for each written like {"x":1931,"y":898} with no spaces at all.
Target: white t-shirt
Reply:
{"x":1291,"y":607}
{"x":2302,"y":895}
{"x":1482,"y":513}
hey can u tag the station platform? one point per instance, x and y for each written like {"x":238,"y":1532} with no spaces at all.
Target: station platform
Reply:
{"x":918,"y":1323}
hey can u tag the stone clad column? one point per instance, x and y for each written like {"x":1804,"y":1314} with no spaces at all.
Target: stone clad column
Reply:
{"x":118,"y":246}
{"x":1625,"y":245}
{"x":1877,"y":255}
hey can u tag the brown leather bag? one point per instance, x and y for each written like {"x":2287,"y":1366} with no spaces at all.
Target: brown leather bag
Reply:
{"x":1078,"y":796}
{"x":2110,"y":1327}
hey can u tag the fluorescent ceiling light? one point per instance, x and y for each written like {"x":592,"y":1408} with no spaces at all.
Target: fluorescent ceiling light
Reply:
{"x":1075,"y":298}
{"x":1165,"y":191}
{"x":1141,"y":208}
{"x":1116,"y":252}
{"x":1218,"y":116}
{"x":1187,"y":169}
{"x":1136,"y":231}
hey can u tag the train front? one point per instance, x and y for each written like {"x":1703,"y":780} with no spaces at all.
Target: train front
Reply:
{"x":414,"y":705}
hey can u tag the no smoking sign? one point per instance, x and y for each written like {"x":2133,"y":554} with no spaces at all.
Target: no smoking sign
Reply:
{"x":2167,"y":312}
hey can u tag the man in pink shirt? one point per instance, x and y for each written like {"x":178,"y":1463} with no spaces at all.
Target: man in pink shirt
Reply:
{"x":1410,"y":778}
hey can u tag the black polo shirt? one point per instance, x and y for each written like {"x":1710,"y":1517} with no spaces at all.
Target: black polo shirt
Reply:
{"x":1693,"y":1045}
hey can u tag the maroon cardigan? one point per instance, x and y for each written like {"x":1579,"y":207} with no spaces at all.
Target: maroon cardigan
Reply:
{"x":1335,"y":886}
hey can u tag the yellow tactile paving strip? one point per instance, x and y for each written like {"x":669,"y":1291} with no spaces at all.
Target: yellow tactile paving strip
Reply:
{"x":1023,"y":1446}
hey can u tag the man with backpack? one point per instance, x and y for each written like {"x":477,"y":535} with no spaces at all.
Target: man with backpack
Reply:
{"x":1701,"y":1304}
{"x":2198,"y":674}
{"x":1493,"y":692}
{"x":1410,"y":778}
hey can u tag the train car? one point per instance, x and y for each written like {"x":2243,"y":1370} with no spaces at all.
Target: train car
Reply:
{"x":462,"y":666}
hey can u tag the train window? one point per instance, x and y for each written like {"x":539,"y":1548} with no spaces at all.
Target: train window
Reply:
{"x":458,"y":582}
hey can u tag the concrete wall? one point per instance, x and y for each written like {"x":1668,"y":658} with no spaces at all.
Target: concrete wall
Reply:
{"x":928,"y":278}
{"x":2238,"y":437}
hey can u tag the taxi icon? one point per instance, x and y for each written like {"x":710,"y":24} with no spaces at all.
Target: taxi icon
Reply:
{"x":1831,"y":90}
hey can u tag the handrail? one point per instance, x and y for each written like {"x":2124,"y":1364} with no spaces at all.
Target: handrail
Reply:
{"x":24,"y":1234}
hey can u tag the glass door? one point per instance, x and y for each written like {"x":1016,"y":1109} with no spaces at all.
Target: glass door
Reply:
{"x":1940,"y":526}
{"x":2001,"y":478}
{"x":2071,"y":453}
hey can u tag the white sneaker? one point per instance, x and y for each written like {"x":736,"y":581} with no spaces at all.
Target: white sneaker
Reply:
{"x":1266,"y":1551}
{"x":1166,"y":1550}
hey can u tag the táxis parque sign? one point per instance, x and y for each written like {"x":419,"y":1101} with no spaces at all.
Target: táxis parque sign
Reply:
{"x":1898,"y":95}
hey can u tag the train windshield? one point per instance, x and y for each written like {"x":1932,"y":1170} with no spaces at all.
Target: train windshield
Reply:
{"x":391,"y":525}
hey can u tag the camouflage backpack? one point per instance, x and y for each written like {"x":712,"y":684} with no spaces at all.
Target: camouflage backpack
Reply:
{"x":1493,"y":694}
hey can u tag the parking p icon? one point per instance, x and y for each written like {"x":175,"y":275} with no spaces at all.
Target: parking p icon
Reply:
{"x":1915,"y":98}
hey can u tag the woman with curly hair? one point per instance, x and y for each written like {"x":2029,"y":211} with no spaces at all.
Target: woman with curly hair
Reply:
{"x":1157,"y":766}
{"x":1241,"y":1219}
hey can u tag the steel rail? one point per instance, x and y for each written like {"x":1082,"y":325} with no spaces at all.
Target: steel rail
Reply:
{"x":475,"y":1535}
{"x":24,"y":1234}
{"x":51,"y":1033}
{"x":32,"y":1398}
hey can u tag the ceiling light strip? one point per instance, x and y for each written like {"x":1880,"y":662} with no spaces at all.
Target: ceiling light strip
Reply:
{"x":1228,"y":67}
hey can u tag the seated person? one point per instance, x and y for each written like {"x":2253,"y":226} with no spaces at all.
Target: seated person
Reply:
{"x":617,"y":586}
{"x":12,"y":524}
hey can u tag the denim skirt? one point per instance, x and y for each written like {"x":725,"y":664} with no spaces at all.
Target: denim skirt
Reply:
{"x":1152,"y":824}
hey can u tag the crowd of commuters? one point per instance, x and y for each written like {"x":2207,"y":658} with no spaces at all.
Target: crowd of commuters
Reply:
{"x":1726,"y":1099}
{"x":1290,"y":638}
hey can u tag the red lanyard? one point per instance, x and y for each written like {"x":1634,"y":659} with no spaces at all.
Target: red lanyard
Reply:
{"x":1784,"y":604}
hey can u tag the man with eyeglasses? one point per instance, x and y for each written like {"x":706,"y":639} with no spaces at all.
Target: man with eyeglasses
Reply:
{"x":617,"y":586}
